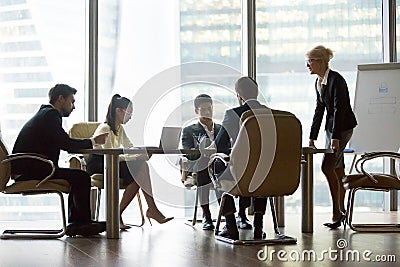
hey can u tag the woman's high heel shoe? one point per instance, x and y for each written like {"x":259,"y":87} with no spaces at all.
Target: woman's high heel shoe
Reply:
{"x":158,"y":217}
{"x":338,"y":223}
{"x":123,"y":226}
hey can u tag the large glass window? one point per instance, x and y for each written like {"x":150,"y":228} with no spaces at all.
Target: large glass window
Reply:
{"x":398,"y":29}
{"x":151,"y":61}
{"x":285,"y":32}
{"x":41,"y":43}
{"x":151,"y":52}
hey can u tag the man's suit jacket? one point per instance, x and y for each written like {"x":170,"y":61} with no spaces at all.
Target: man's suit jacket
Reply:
{"x":230,"y":125}
{"x":189,"y":133}
{"x":43,"y":134}
{"x":335,"y":99}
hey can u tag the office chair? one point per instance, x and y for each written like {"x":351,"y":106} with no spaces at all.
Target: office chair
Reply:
{"x":31,"y":187}
{"x":264,"y":162}
{"x":363,"y":180}
{"x":184,"y":165}
{"x":182,"y":161}
{"x":86,"y":130}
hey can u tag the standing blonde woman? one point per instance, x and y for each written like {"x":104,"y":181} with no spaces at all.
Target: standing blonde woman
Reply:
{"x":333,"y":96}
{"x":133,"y":169}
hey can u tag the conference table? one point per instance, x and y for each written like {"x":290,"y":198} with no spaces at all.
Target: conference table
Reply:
{"x":111,"y":178}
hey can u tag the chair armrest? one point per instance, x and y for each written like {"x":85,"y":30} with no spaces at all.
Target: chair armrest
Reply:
{"x":221,"y":156}
{"x":225,"y":160}
{"x":34,"y":156}
{"x":13,"y":156}
{"x":373,"y":155}
{"x":77,"y":161}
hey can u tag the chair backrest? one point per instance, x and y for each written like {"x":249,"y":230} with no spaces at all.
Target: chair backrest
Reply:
{"x":266,"y":157}
{"x":5,"y":168}
{"x":83,"y":130}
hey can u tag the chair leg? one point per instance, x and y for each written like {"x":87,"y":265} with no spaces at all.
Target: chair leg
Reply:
{"x":193,"y":221}
{"x":279,"y":238}
{"x":39,"y":234}
{"x":142,"y":219}
{"x":98,"y":203}
{"x":273,"y":212}
{"x":349,"y":206}
{"x":196,"y":202}
{"x":371,"y":227}
{"x":221,"y":208}
{"x":139,"y":199}
{"x":93,"y":202}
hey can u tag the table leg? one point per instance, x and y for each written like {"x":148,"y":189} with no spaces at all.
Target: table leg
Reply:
{"x":307,"y":194}
{"x":280,"y":210}
{"x":111,"y":184}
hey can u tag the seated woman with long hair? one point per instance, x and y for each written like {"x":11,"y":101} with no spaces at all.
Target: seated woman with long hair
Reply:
{"x":133,"y":169}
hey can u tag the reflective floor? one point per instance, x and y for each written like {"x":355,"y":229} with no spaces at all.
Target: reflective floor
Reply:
{"x":178,"y":244}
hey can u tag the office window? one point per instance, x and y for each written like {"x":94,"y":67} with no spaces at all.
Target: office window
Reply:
{"x":398,"y":29}
{"x":285,"y":32}
{"x":135,"y":50}
{"x":38,"y":49}
{"x":41,"y":43}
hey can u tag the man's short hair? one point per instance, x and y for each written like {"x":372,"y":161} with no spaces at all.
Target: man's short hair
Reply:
{"x":60,"y":89}
{"x":247,"y":88}
{"x":202,"y":98}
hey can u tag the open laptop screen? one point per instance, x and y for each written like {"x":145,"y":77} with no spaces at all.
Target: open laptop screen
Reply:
{"x":170,"y":137}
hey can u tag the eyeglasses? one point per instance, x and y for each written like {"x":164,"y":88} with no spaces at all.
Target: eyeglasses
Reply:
{"x":310,"y":60}
{"x":128,"y":113}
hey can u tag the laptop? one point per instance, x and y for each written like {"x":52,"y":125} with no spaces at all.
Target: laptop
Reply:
{"x":170,"y":138}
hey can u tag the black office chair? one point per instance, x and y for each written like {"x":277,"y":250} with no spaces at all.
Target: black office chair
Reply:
{"x":364,"y":180}
{"x":31,"y":187}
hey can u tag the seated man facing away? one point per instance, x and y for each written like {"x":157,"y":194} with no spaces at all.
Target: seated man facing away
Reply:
{"x":200,"y":135}
{"x":247,"y":92}
{"x":43,"y":134}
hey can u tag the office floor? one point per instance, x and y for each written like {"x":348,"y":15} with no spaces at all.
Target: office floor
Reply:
{"x":177,"y":244}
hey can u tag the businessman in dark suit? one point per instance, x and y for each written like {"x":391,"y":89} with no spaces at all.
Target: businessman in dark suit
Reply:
{"x":43,"y":134}
{"x":246,"y":92}
{"x":198,"y":135}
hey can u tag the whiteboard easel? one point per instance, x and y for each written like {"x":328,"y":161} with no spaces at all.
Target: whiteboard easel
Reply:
{"x":377,"y":108}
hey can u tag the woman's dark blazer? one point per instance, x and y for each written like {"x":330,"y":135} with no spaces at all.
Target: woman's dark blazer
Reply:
{"x":335,"y":99}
